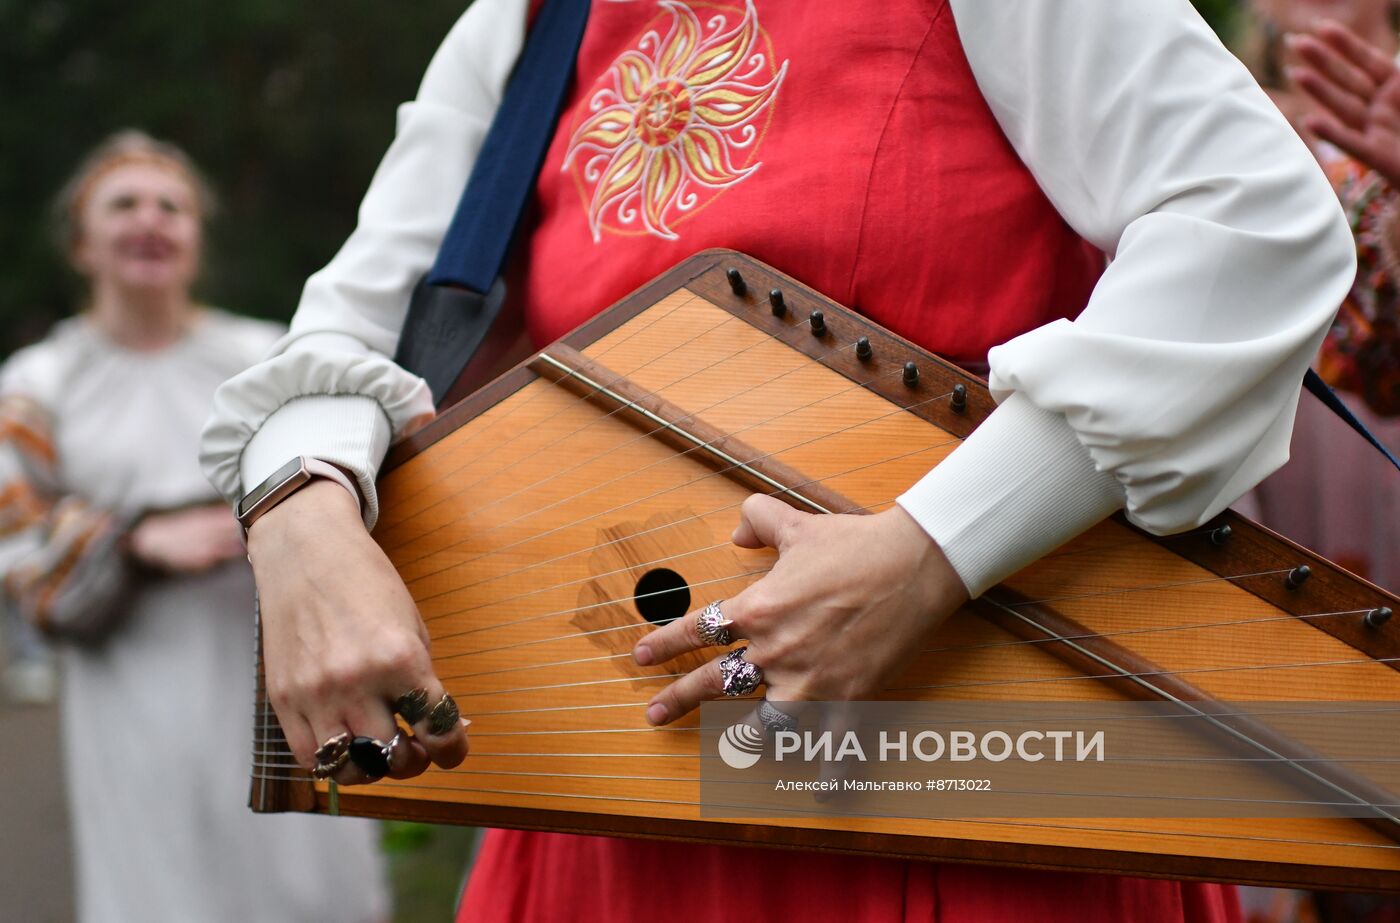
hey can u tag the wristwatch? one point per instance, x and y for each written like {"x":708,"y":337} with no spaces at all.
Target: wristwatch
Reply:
{"x":284,"y":482}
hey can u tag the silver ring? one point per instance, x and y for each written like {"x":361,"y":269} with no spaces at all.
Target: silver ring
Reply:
{"x":740,"y":676}
{"x":713,"y":627}
{"x":392,"y":748}
{"x":774,"y":719}
{"x":413,"y":705}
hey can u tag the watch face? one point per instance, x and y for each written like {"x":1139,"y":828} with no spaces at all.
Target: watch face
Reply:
{"x":275,"y":480}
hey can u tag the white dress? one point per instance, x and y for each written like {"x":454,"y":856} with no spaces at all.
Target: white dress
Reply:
{"x":157,"y":720}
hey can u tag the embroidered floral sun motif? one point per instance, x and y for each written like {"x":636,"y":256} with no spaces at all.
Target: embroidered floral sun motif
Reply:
{"x":673,"y":121}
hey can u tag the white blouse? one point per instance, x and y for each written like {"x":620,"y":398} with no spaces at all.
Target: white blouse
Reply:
{"x":1171,"y":394}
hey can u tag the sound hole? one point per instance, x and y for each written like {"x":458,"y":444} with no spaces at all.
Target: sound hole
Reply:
{"x":662,"y":596}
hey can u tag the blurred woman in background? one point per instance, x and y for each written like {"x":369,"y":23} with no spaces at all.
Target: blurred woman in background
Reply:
{"x":1329,"y":65}
{"x":111,"y":539}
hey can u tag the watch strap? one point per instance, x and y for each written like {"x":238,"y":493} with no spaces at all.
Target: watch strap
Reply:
{"x":324,"y":469}
{"x":282,"y":483}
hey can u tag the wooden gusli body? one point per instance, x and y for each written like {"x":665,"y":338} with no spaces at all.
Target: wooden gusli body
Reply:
{"x":541,"y":521}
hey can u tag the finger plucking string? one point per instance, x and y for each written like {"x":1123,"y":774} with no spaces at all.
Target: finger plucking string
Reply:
{"x":685,"y":635}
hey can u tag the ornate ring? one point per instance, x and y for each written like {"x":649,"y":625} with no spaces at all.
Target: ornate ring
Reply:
{"x":774,"y":719}
{"x":413,"y":705}
{"x":740,"y":676}
{"x":370,"y":756}
{"x":713,"y":627}
{"x":444,"y":716}
{"x":392,"y":748}
{"x":331,"y":756}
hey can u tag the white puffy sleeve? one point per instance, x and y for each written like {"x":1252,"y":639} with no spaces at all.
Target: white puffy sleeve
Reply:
{"x":1174,"y":391}
{"x":328,"y":388}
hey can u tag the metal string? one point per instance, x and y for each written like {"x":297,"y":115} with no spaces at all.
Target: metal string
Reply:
{"x":629,"y":598}
{"x":673,"y":488}
{"x":963,"y":721}
{"x":470,"y":438}
{"x":873,"y":815}
{"x":1035,"y":680}
{"x":647,"y":467}
{"x":575,"y":402}
{"x":578,"y":401}
{"x":638,"y":471}
{"x":958,"y":648}
{"x":767,"y":783}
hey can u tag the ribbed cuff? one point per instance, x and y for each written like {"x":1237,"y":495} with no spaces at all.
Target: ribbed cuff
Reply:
{"x":348,"y":430}
{"x":1019,"y":487}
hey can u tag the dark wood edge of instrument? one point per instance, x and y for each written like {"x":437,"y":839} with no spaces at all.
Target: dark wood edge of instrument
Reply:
{"x":717,"y":449}
{"x":459,"y":413}
{"x":268,"y":795}
{"x":1252,"y":548}
{"x":1055,"y":858}
{"x":293,"y":792}
{"x":1143,"y":680}
{"x":930,"y":397}
{"x":585,"y":334}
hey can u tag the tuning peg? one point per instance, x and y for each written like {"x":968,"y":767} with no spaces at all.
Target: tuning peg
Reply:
{"x":958,"y":403}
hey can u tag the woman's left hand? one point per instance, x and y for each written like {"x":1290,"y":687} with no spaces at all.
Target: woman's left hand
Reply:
{"x":838,"y":618}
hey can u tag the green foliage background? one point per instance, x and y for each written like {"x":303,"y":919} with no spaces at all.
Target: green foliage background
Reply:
{"x":287,"y":106}
{"x":1221,"y":14}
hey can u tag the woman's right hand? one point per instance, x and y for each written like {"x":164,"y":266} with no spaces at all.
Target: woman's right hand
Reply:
{"x":186,"y":541}
{"x":342,"y":638}
{"x":1356,"y":87}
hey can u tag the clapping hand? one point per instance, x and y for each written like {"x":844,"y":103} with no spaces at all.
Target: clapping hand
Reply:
{"x":1357,"y":90}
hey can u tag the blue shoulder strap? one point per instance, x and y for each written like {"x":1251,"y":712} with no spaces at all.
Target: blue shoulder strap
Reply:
{"x":456,"y":306}
{"x":1314,"y":383}
{"x":474,"y":249}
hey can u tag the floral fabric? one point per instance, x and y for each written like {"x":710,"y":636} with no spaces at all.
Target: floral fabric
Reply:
{"x":1362,"y":351}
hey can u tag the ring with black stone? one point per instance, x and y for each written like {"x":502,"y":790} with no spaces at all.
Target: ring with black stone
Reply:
{"x":412,"y":705}
{"x":370,"y":756}
{"x":444,"y":716}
